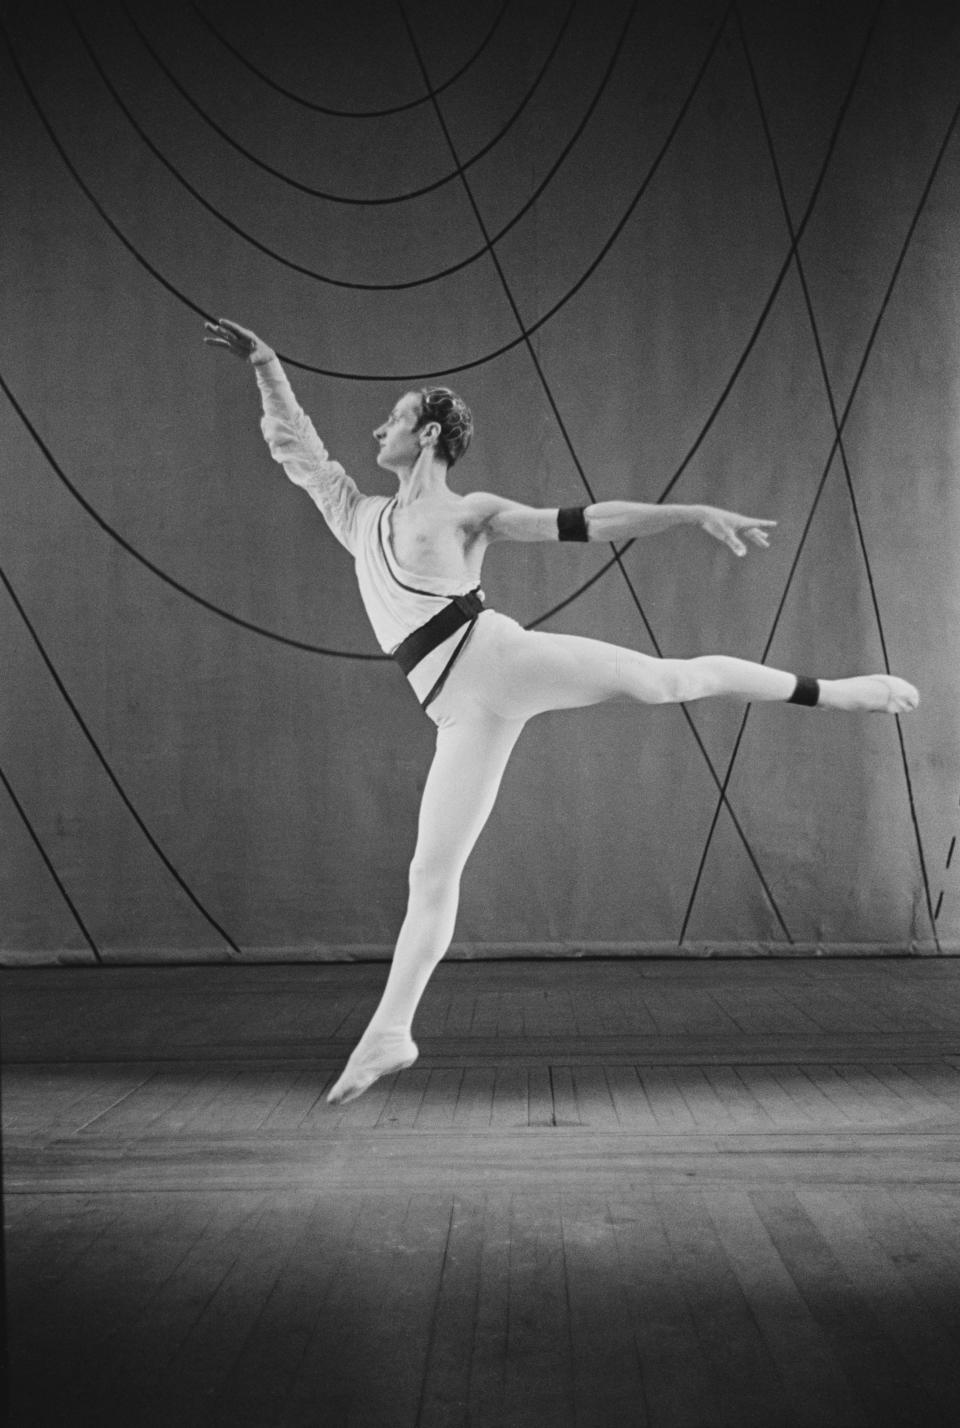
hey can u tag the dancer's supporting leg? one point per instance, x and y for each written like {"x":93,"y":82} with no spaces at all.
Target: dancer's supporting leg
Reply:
{"x":460,"y":790}
{"x":520,"y":675}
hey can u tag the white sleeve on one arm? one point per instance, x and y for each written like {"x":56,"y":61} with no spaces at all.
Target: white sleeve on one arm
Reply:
{"x":294,"y":443}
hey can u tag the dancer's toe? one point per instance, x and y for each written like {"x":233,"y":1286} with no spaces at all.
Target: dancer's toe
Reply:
{"x":903,"y":697}
{"x":375,"y":1056}
{"x":871,"y":693}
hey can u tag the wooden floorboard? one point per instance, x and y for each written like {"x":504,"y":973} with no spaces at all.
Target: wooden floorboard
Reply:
{"x":675,"y":1195}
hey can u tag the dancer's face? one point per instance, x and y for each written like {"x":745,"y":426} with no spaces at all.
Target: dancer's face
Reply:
{"x":400,"y":444}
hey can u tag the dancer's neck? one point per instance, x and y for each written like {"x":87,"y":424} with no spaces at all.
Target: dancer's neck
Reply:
{"x":425,"y":479}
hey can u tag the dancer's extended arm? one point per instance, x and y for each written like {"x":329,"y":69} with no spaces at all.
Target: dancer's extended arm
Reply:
{"x":289,"y":432}
{"x":616,"y":520}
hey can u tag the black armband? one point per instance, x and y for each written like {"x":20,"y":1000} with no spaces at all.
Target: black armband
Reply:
{"x":807,"y":691}
{"x":571,"y":523}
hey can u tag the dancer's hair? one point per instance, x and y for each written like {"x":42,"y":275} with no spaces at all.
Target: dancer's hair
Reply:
{"x":451,"y":412}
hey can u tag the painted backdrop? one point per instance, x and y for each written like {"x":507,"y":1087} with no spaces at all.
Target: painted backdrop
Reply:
{"x":667,"y":251}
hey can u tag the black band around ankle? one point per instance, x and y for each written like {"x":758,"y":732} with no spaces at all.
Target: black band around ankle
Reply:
{"x":572,"y":523}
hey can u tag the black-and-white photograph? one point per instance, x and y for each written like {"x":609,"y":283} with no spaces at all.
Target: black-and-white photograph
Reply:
{"x":479,"y":743}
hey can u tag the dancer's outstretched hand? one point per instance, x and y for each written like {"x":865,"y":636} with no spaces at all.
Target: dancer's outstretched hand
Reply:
{"x":729,"y":527}
{"x":238,"y":340}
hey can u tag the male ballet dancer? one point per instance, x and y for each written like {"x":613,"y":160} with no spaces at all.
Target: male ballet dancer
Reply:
{"x":478,"y":674}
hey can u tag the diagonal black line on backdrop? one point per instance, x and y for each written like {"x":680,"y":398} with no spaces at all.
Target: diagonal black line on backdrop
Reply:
{"x":795,"y":236}
{"x":350,"y":113}
{"x":848,"y":476}
{"x":65,"y":694}
{"x":489,"y":248}
{"x":302,"y":268}
{"x":156,"y":570}
{"x":391,"y":376}
{"x":835,"y":445}
{"x":548,"y":392}
{"x":24,"y":818}
{"x":345,"y":198}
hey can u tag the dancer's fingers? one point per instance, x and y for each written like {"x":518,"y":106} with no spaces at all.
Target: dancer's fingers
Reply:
{"x":242,"y":334}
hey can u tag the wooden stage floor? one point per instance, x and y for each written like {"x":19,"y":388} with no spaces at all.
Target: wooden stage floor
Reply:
{"x":676,"y":1194}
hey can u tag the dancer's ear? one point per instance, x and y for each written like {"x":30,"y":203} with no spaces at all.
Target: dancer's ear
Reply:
{"x":428,"y":434}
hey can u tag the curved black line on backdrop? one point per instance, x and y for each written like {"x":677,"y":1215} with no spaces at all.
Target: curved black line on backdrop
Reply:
{"x":839,"y":423}
{"x":349,"y":113}
{"x":345,"y":198}
{"x":368,"y":376}
{"x":214,"y":609}
{"x":698,"y":441}
{"x":258,"y":629}
{"x":34,"y":835}
{"x":548,"y":393}
{"x":156,"y":570}
{"x":181,"y":883}
{"x":312,"y":272}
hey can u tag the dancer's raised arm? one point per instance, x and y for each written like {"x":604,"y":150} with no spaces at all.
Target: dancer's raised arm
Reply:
{"x":611,"y":520}
{"x":289,"y":432}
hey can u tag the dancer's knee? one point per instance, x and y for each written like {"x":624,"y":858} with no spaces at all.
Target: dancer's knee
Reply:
{"x":673,"y":682}
{"x":432,"y":884}
{"x":682,"y":680}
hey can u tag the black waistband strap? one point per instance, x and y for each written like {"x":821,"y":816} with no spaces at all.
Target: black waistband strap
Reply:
{"x":461,"y":610}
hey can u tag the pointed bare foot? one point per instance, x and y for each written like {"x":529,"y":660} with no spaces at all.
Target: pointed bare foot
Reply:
{"x":375,"y":1055}
{"x":876,"y":693}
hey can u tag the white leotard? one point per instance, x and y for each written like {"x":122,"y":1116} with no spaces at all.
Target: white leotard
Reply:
{"x":397,"y":601}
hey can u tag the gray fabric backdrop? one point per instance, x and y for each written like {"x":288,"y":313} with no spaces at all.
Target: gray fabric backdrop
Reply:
{"x":282,"y":783}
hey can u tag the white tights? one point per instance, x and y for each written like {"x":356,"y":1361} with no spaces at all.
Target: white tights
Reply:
{"x":504,"y":677}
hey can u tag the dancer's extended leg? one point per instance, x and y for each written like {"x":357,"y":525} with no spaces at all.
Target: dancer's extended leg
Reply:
{"x":461,"y":787}
{"x":535,"y":672}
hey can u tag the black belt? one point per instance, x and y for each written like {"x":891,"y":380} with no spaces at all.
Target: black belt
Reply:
{"x":461,"y":610}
